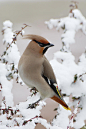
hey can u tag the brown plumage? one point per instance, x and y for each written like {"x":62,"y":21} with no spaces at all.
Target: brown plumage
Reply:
{"x":37,"y":38}
{"x":36,"y":71}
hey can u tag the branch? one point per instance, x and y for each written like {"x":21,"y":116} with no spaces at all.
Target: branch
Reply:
{"x":74,"y":112}
{"x":25,"y":122}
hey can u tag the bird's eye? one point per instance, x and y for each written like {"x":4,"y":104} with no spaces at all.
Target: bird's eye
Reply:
{"x":41,"y":44}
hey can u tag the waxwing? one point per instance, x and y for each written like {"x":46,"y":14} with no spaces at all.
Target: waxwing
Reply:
{"x":36,"y":71}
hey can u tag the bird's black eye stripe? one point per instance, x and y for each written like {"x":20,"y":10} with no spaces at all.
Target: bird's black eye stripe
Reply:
{"x":41,"y":44}
{"x":45,"y":50}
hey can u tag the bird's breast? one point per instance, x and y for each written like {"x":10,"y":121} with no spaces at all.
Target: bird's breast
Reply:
{"x":29,"y":69}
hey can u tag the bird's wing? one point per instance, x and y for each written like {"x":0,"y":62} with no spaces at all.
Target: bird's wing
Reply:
{"x":49,"y":77}
{"x":48,"y":71}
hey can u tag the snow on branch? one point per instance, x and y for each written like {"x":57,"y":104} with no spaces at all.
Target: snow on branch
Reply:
{"x":74,"y":22}
{"x":25,"y":115}
{"x":71,"y":77}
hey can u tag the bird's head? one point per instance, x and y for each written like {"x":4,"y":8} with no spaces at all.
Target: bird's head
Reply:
{"x":42,"y":42}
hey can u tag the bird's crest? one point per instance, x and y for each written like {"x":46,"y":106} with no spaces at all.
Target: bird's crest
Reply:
{"x":36,"y":38}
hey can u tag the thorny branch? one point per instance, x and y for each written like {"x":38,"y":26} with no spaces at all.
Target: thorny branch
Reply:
{"x":74,"y":112}
{"x":73,"y":5}
{"x":7,"y":110}
{"x":25,"y":122}
{"x":80,"y":77}
{"x":16,"y":33}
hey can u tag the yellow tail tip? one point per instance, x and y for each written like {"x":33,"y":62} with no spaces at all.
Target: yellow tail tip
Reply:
{"x":67,"y":108}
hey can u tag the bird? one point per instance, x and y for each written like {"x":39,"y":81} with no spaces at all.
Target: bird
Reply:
{"x":36,"y":71}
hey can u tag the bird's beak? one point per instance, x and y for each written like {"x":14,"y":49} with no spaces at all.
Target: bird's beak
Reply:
{"x":51,"y":45}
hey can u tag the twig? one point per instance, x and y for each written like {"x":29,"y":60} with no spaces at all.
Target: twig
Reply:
{"x":25,"y":122}
{"x":74,"y":112}
{"x":16,"y":33}
{"x":33,"y":105}
{"x":19,"y":32}
{"x":6,"y":110}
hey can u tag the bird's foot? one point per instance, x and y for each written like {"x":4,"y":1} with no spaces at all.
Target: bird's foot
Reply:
{"x":33,"y":105}
{"x":34,"y":90}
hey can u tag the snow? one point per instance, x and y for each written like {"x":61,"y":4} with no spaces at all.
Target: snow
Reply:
{"x":6,"y":86}
{"x":71,"y":24}
{"x":30,"y":113}
{"x":7,"y":24}
{"x":62,"y":119}
{"x":8,"y":71}
{"x":12,"y":55}
{"x":8,"y":34}
{"x":66,"y":70}
{"x":71,"y":78}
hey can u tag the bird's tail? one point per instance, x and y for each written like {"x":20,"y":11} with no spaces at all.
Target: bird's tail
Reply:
{"x":58,"y":98}
{"x":60,"y":101}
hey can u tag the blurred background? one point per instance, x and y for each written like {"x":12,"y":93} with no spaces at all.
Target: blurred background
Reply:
{"x":35,"y":13}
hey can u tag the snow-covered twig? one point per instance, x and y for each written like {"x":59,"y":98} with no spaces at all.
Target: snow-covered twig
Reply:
{"x":71,"y":77}
{"x":25,"y":122}
{"x":71,"y":119}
